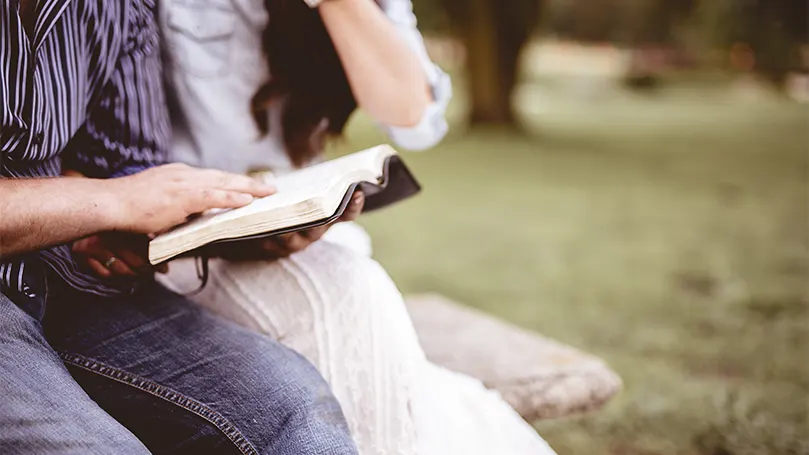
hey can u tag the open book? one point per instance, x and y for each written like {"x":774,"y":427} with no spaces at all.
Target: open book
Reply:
{"x":305,"y":198}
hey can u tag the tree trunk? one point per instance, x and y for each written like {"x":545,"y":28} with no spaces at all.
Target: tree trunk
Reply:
{"x":483,"y":63}
{"x":493,"y":41}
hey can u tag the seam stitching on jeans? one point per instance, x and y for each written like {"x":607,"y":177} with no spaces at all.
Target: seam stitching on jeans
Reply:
{"x":167,"y":394}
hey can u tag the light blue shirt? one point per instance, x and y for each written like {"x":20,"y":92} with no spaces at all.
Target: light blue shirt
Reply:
{"x":214,"y":63}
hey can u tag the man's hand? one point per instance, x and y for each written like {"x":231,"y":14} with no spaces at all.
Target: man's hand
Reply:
{"x":116,"y":255}
{"x":41,"y":212}
{"x":284,"y":245}
{"x":163,"y":197}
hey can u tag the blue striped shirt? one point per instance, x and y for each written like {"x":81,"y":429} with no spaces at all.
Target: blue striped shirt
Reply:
{"x":84,"y":91}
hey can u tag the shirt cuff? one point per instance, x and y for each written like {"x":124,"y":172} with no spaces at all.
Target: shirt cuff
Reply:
{"x":433,"y":124}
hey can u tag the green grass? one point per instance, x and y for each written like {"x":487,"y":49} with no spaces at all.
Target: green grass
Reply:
{"x":666,"y":233}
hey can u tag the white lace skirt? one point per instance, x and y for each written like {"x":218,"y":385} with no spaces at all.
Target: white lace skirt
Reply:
{"x":339,"y":308}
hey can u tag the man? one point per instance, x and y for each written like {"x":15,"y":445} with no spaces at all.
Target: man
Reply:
{"x":146,"y":371}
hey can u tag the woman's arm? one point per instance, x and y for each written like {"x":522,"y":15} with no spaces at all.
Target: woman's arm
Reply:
{"x":433,"y":125}
{"x":386,"y":75}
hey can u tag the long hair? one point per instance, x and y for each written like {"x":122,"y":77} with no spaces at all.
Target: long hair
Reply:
{"x":306,"y":77}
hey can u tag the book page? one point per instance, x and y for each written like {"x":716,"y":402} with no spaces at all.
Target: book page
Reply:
{"x":315,"y":181}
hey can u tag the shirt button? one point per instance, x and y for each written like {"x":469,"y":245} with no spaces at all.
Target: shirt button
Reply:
{"x":38,"y":138}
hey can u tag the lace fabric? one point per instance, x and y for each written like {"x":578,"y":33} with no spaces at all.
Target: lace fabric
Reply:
{"x":340,"y":310}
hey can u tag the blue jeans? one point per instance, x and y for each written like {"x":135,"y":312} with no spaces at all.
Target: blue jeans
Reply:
{"x":155,"y":374}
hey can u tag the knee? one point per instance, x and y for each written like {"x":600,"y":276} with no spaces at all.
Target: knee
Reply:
{"x":349,"y":274}
{"x":303,"y":393}
{"x":291,"y":407}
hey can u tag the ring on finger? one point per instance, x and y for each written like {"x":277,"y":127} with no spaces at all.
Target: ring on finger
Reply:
{"x":110,"y":262}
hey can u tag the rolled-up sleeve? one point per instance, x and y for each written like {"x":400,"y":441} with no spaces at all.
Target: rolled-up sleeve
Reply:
{"x":433,"y":125}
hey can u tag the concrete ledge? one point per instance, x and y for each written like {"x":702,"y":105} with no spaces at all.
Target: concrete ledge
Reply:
{"x":539,"y":377}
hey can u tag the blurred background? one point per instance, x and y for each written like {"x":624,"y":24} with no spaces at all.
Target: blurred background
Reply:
{"x":629,"y":177}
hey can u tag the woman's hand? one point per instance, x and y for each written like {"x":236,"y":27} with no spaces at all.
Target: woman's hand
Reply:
{"x":116,"y":255}
{"x":284,"y":245}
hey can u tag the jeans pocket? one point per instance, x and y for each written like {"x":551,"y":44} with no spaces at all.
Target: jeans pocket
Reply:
{"x":200,"y":35}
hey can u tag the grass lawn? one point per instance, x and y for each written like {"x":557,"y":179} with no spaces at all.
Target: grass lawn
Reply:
{"x":666,"y":233}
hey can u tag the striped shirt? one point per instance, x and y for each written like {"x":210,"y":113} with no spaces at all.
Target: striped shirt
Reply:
{"x":84,"y":91}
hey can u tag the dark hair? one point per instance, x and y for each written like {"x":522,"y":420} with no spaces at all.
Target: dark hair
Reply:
{"x":306,"y":75}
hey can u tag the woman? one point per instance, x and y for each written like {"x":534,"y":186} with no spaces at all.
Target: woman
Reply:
{"x":261,"y":86}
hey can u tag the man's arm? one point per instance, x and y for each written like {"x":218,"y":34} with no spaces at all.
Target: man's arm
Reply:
{"x":37,"y":213}
{"x":42,"y":212}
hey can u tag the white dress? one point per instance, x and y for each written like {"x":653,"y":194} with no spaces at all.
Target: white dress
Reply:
{"x":331,"y":303}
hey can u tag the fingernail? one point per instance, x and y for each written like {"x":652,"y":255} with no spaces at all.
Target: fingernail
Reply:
{"x":243,"y":198}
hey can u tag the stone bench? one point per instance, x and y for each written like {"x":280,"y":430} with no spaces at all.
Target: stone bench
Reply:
{"x":539,"y":377}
